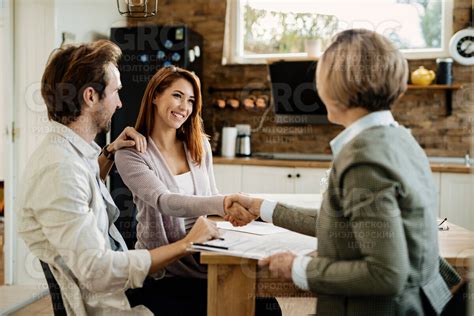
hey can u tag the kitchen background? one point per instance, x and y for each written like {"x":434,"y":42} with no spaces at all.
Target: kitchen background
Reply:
{"x":423,"y":111}
{"x":38,"y":26}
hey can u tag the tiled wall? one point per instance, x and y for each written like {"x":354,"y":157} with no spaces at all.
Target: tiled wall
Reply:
{"x":424,"y":111}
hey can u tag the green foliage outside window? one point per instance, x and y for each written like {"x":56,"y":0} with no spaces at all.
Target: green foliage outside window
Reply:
{"x":287,"y":31}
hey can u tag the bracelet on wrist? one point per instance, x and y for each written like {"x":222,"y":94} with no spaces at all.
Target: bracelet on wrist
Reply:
{"x":108,"y":154}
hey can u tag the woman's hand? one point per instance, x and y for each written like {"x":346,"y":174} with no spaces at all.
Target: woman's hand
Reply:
{"x":203,"y":230}
{"x":129,"y":138}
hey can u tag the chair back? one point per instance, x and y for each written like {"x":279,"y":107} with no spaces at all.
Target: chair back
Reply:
{"x":54,"y":290}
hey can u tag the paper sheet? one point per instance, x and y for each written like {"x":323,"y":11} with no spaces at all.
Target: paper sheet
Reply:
{"x":257,"y":228}
{"x":260,"y":246}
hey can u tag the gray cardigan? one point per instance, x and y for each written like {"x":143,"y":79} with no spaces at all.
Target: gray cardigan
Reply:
{"x":376,"y":229}
{"x":161,"y":208}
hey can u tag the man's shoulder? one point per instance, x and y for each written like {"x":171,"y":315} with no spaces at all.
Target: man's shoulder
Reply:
{"x":54,"y":152}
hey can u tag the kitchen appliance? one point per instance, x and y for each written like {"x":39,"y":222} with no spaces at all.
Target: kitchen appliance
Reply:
{"x":444,"y":70}
{"x":243,"y":143}
{"x":295,"y":98}
{"x":229,"y":135}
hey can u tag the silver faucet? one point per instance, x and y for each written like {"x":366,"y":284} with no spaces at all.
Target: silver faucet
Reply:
{"x":467,"y":160}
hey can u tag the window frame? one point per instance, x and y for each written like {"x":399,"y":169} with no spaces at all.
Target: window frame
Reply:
{"x":233,"y":41}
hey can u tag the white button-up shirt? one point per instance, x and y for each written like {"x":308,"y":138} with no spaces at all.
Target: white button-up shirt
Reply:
{"x":66,"y":215}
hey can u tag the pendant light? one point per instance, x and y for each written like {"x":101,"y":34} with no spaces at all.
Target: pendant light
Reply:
{"x":137,"y":8}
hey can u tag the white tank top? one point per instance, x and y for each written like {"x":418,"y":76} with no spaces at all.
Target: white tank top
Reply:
{"x":186,"y":186}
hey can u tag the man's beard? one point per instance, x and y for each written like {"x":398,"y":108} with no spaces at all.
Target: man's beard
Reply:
{"x":102,"y":122}
{"x":105,"y":128}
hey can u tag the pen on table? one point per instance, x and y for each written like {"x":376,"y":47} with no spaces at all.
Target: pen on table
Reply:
{"x":210,"y":246}
{"x":442,"y":222}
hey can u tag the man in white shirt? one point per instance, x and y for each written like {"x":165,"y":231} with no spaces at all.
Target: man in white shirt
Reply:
{"x":66,"y":214}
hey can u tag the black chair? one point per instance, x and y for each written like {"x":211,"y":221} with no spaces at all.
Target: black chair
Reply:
{"x":54,"y":290}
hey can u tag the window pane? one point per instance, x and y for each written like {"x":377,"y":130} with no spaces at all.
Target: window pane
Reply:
{"x":267,"y":31}
{"x":281,"y":26}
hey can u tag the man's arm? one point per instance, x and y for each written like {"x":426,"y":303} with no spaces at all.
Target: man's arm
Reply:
{"x":72,"y":228}
{"x":59,"y":200}
{"x":128,"y":138}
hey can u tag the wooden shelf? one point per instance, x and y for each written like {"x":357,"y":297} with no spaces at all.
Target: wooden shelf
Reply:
{"x":448,"y":90}
{"x":454,"y":86}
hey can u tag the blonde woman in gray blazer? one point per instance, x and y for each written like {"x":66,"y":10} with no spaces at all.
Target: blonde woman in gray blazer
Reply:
{"x":376,"y":228}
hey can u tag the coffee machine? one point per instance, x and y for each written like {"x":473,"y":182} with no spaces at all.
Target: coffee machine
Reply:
{"x":243,"y":146}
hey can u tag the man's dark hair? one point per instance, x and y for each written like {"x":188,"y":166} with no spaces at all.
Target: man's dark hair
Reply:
{"x":70,"y":70}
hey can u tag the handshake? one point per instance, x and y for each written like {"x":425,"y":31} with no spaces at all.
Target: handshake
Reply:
{"x":240,"y":209}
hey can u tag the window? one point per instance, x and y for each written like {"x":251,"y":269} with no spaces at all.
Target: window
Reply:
{"x":260,"y":29}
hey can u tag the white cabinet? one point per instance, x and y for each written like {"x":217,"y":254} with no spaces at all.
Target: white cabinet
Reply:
{"x":455,"y":190}
{"x":257,"y":179}
{"x":457,"y":199}
{"x":308,"y":180}
{"x":228,"y":178}
{"x":437,"y":182}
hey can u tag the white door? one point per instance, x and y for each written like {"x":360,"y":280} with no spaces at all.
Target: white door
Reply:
{"x":307,"y":180}
{"x":33,"y":39}
{"x":457,"y":202}
{"x":258,"y":179}
{"x":228,"y":178}
{"x":6,"y":119}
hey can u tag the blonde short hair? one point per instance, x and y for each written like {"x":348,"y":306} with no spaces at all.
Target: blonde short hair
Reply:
{"x":363,"y":69}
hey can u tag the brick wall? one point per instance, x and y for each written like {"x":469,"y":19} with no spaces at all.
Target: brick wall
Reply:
{"x":424,"y":111}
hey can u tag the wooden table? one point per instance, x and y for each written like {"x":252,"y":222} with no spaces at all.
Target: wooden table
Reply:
{"x":234,"y":282}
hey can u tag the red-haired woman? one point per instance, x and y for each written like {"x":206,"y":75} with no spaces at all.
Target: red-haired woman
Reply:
{"x":173,"y":183}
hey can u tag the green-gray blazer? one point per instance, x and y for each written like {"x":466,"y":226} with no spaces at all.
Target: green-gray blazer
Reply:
{"x":376,"y":229}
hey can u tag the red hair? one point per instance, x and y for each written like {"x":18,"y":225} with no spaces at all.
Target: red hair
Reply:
{"x":192,"y":131}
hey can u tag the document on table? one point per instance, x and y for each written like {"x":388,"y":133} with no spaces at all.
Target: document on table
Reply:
{"x":259,"y":246}
{"x":257,"y":228}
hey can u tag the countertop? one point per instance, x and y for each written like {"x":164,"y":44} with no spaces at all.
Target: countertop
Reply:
{"x":435,"y":167}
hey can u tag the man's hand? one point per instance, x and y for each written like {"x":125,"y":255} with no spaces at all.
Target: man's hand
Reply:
{"x":129,"y":138}
{"x":279,"y":264}
{"x":241,"y":209}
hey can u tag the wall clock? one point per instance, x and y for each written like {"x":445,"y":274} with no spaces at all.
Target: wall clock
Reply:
{"x":461,"y":46}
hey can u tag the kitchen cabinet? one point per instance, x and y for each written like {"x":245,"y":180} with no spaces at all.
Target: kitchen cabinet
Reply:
{"x":454,"y":190}
{"x":456,"y":199}
{"x":256,"y":179}
{"x":437,"y":182}
{"x":308,"y":180}
{"x":228,"y":178}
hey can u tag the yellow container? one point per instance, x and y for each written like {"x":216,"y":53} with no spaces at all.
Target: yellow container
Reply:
{"x":422,"y":76}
